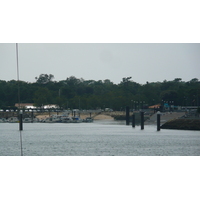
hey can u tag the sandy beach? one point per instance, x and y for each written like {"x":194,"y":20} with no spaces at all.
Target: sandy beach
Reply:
{"x":82,"y":116}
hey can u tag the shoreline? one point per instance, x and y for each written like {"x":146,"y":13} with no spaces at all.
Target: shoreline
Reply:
{"x":82,"y":116}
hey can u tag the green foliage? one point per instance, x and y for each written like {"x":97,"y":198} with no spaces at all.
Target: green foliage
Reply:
{"x":44,"y":78}
{"x":90,"y":94}
{"x":42,"y":96}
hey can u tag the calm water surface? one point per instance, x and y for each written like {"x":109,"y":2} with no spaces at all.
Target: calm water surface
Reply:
{"x":101,"y":138}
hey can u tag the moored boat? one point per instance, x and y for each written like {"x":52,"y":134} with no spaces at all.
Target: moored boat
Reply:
{"x":88,"y":119}
{"x":3,"y":120}
{"x":13,"y":120}
{"x":76,"y":119}
{"x":27,"y":120}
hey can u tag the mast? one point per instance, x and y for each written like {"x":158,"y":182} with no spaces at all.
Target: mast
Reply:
{"x":19,"y":103}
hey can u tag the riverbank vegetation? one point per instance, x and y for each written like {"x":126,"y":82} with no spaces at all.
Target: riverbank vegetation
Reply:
{"x":90,"y":94}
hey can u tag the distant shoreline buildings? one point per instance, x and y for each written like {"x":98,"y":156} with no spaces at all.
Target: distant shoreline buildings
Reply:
{"x":31,"y":106}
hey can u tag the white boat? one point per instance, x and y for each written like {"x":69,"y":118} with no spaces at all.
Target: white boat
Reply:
{"x":48,"y":120}
{"x":66,"y":119}
{"x":3,"y":120}
{"x":53,"y":119}
{"x":36,"y":120}
{"x":13,"y":120}
{"x":62,"y":119}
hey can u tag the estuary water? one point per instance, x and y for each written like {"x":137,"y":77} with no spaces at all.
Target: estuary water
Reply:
{"x":100,"y":138}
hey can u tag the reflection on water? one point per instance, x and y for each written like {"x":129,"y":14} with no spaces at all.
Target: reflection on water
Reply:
{"x":101,"y":138}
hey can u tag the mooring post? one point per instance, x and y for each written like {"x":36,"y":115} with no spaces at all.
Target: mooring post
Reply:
{"x":20,"y":120}
{"x":127,"y":115}
{"x":142,"y":120}
{"x":133,"y":120}
{"x":158,"y":121}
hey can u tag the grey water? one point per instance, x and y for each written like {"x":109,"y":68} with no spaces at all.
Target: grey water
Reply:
{"x":100,"y":138}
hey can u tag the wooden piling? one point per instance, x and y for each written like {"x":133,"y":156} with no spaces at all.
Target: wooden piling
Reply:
{"x":158,"y":121}
{"x":133,"y":120}
{"x":142,"y":120}
{"x":20,"y":121}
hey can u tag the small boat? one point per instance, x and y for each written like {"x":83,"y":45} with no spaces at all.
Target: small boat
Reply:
{"x":13,"y":120}
{"x":76,"y":120}
{"x":88,"y":119}
{"x":3,"y":120}
{"x":27,"y":120}
{"x":66,"y":119}
{"x":49,"y":120}
{"x":30,"y":120}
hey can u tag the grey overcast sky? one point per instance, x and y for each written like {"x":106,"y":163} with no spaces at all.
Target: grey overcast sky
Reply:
{"x":99,"y":61}
{"x":147,"y":40}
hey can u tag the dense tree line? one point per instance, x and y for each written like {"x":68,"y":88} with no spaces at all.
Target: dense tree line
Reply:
{"x":90,"y":94}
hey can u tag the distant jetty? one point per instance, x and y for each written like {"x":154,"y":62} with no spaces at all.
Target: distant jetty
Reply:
{"x":182,"y":124}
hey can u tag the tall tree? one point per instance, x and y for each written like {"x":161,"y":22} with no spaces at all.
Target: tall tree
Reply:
{"x":44,"y":78}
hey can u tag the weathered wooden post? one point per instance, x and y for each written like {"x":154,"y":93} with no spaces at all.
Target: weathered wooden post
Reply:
{"x":158,"y":121}
{"x":142,"y":120}
{"x":133,"y":120}
{"x":127,"y":115}
{"x":20,"y":120}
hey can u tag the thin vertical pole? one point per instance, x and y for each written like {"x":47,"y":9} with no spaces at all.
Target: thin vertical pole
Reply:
{"x":19,"y":104}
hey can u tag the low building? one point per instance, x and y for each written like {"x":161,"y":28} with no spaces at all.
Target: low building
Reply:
{"x":25,"y":105}
{"x":50,"y":106}
{"x":155,"y":106}
{"x":31,"y":106}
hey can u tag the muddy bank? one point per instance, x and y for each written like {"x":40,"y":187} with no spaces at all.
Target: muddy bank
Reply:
{"x":182,"y":124}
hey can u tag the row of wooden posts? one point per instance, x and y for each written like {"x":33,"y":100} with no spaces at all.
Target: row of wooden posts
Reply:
{"x":141,"y":117}
{"x":127,"y":119}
